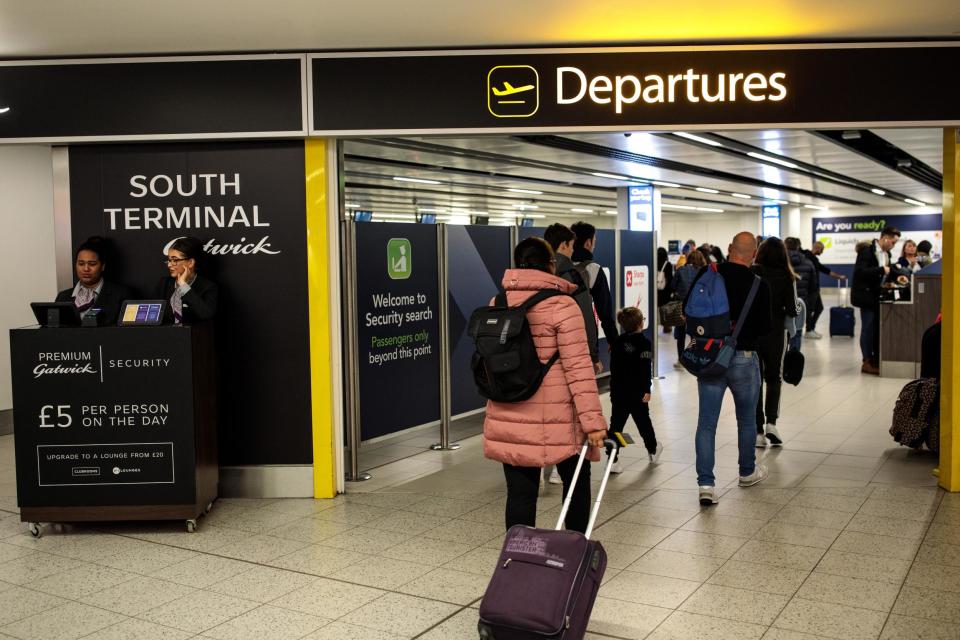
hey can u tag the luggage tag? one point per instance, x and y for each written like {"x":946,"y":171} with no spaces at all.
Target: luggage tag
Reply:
{"x":622,"y":439}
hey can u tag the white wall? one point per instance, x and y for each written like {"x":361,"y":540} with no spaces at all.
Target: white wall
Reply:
{"x":715,"y":228}
{"x":26,"y":243}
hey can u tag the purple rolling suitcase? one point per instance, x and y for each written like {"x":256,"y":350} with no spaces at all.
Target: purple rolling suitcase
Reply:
{"x":546,"y":580}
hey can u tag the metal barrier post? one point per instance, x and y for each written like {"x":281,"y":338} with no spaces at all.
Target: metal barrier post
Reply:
{"x":444,"y":315}
{"x":351,"y":369}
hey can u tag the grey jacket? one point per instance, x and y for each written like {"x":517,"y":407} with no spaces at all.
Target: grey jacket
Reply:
{"x":568,"y":271}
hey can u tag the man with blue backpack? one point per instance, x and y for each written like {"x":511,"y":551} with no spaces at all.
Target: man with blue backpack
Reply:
{"x":727,"y":310}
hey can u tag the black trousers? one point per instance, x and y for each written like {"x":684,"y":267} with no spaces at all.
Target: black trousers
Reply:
{"x":813,"y":313}
{"x":640,"y":411}
{"x":770,"y":350}
{"x":523,"y":487}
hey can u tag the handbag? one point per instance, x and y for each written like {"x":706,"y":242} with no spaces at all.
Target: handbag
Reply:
{"x":793,"y":362}
{"x":671,"y":314}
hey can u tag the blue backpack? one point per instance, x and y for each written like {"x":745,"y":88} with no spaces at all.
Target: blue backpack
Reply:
{"x":707,"y":309}
{"x":708,"y":322}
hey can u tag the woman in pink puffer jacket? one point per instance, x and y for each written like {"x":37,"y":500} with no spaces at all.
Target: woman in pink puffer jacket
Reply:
{"x":550,"y":427}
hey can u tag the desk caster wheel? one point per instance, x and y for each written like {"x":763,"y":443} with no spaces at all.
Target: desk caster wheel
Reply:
{"x":35,"y":529}
{"x":191,"y":526}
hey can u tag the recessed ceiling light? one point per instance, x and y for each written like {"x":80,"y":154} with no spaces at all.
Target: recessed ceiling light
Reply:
{"x":610,"y":213}
{"x":610,"y":175}
{"x":525,"y":206}
{"x":530,"y":191}
{"x":429,"y":210}
{"x":710,"y":209}
{"x":576,"y":210}
{"x":813,"y":206}
{"x":672,"y":185}
{"x":741,"y":195}
{"x":352,"y":205}
{"x":782,"y":202}
{"x":879,"y":192}
{"x":690,"y":136}
{"x":705,"y":190}
{"x":677,"y":206}
{"x":915,"y":202}
{"x":418,"y":180}
{"x":760,"y":156}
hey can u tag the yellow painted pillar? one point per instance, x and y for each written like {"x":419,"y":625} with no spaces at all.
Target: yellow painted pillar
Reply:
{"x":322,"y":322}
{"x":950,"y":367}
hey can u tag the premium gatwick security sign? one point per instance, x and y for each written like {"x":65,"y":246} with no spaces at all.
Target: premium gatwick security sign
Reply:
{"x":104,"y":417}
{"x":635,"y":87}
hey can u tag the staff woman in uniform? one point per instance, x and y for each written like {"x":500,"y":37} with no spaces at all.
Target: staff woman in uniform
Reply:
{"x":192,"y":297}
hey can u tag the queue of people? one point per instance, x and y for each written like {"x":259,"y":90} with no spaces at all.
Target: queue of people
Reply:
{"x":771,"y":290}
{"x":190,"y":296}
{"x":547,"y":429}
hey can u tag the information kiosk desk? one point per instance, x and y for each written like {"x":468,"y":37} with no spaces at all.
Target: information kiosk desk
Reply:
{"x":114,"y":423}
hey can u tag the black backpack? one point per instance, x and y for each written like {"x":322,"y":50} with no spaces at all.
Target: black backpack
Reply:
{"x":506,"y":367}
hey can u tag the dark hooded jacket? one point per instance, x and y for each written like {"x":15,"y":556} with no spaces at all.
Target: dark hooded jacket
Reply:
{"x":568,"y":271}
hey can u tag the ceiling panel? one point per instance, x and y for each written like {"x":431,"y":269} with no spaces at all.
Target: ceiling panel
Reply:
{"x":802,"y":145}
{"x":924,"y":144}
{"x":69,"y":27}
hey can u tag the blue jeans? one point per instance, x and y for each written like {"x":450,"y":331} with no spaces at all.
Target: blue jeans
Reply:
{"x":869,"y":334}
{"x":743,"y":379}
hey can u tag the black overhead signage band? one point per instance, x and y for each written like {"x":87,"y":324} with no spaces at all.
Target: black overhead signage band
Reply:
{"x":153,"y":99}
{"x":634,"y":88}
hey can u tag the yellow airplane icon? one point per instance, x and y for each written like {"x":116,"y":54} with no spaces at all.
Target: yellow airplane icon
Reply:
{"x":509,"y":89}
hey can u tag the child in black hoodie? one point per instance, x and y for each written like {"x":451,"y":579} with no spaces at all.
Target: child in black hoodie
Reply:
{"x":630,"y":374}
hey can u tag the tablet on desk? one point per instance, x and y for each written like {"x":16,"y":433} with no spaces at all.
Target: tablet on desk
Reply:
{"x":142,"y":312}
{"x":56,"y":314}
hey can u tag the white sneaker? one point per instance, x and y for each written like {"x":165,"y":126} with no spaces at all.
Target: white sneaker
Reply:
{"x":774,"y":436}
{"x":555,"y":478}
{"x":812,"y":335}
{"x":759,"y":474}
{"x":708,"y":495}
{"x":617,"y":467}
{"x":655,"y":456}
{"x":761,"y":441}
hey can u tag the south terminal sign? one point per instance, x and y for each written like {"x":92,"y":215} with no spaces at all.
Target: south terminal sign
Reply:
{"x":570,"y":89}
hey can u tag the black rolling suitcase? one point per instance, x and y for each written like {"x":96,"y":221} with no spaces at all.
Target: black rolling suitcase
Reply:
{"x":842,"y":320}
{"x":546,"y":581}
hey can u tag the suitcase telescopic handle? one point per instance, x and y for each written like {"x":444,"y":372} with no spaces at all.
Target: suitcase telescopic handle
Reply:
{"x":603,"y":484}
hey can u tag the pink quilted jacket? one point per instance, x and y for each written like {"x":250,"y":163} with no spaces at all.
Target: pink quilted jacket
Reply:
{"x":549,"y":427}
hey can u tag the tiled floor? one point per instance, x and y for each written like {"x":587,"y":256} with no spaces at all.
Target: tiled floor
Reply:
{"x":848,"y":539}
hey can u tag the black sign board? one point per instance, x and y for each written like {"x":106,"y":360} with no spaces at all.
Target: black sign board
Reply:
{"x":399,"y":327}
{"x":246,"y":203}
{"x":169,"y":98}
{"x":635,"y":88}
{"x":104,"y":416}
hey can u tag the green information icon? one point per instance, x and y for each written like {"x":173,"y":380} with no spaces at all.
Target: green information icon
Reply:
{"x":399,"y":259}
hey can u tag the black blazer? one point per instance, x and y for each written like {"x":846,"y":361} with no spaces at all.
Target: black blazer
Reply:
{"x":200,"y":303}
{"x":867,"y":278}
{"x":111,"y":297}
